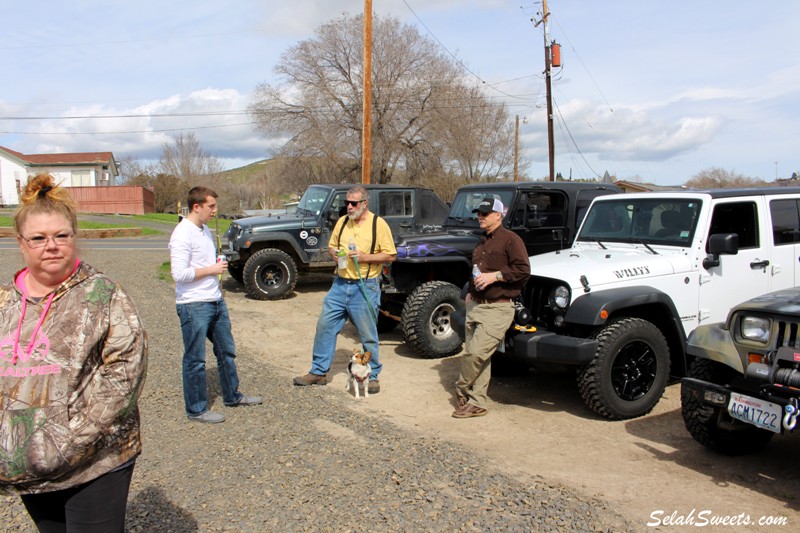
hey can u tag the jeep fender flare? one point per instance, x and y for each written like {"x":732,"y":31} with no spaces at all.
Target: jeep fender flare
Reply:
{"x":586,"y":310}
{"x":714,"y":342}
{"x":434,"y":259}
{"x":270,"y":239}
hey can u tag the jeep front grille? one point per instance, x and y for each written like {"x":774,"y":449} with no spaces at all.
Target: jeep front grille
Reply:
{"x":787,"y":334}
{"x":536,"y":298}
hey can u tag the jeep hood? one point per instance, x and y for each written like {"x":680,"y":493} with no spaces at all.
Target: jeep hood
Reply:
{"x":261,"y":224}
{"x":616,"y":264}
{"x":438,"y":244}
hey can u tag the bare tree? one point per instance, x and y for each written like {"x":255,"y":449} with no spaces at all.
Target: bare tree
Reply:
{"x":186,"y":160}
{"x":419,"y":102}
{"x":718,"y":178}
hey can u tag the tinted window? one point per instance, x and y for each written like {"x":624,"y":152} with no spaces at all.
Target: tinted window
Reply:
{"x":395,"y":204}
{"x":739,"y":218}
{"x":431,"y":209}
{"x":540,"y":210}
{"x":785,"y":221}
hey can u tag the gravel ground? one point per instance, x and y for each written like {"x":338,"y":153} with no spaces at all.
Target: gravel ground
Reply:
{"x":303,"y":461}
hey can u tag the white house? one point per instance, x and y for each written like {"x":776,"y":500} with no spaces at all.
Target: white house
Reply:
{"x":89,"y":169}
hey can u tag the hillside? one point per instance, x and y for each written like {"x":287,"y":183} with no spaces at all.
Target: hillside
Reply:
{"x":246,"y":173}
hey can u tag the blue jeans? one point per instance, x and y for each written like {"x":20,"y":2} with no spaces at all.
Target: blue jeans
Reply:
{"x":201,"y":321}
{"x":345,"y":300}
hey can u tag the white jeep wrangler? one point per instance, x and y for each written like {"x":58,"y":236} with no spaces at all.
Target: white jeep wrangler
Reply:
{"x":643,"y":272}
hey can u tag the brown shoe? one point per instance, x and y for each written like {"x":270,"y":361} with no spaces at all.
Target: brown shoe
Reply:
{"x":374,"y":386}
{"x":460,"y":402}
{"x":310,"y":379}
{"x":469,"y":411}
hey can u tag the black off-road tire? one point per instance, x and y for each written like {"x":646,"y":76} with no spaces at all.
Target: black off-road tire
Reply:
{"x":712,"y":426}
{"x":426,"y":319}
{"x":629,"y":372}
{"x":236,"y":272}
{"x":269,"y":274}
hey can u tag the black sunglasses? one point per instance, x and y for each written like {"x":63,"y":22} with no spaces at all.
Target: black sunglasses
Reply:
{"x":353,"y":203}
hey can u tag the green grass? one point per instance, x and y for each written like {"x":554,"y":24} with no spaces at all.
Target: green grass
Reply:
{"x":85,"y":224}
{"x":172,"y":218}
{"x":164,"y":272}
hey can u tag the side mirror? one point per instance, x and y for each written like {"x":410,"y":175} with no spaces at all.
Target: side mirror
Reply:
{"x":720,"y":244}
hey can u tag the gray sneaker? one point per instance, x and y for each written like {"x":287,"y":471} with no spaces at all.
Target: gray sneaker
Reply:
{"x":209,"y":417}
{"x":247,"y":400}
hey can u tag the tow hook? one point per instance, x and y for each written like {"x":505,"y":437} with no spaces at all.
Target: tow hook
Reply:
{"x":790,"y":418}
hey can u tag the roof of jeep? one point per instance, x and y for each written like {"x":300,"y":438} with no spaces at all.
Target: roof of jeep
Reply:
{"x":346,"y":186}
{"x":718,"y":193}
{"x":569,"y":186}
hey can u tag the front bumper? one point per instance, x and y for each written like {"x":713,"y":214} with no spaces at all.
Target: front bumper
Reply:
{"x":230,"y":256}
{"x":548,"y":347}
{"x":708,"y":393}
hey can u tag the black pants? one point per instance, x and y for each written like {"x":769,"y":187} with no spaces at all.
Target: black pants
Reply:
{"x":94,"y":507}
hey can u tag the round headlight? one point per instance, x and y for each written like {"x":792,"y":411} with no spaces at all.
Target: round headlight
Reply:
{"x":561,"y":297}
{"x":755,"y":328}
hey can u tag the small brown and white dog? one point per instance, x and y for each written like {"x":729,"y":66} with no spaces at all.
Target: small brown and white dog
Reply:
{"x":358,"y":371}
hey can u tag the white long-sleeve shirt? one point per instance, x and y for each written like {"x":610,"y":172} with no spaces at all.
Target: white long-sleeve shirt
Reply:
{"x":190,"y":248}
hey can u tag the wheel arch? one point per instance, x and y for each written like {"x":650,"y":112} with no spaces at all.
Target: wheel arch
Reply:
{"x":714,"y":342}
{"x":279,"y":241}
{"x":408,"y":274}
{"x":643,"y":302}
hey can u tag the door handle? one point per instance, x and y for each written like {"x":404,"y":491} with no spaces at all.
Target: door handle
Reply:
{"x":755,"y":265}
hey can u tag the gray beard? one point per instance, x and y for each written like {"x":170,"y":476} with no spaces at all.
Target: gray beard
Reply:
{"x":357,"y":213}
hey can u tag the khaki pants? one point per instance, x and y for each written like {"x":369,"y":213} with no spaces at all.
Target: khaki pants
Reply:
{"x":485,"y":328}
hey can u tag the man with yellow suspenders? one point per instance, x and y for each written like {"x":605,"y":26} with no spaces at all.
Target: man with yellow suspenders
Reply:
{"x":355,"y":293}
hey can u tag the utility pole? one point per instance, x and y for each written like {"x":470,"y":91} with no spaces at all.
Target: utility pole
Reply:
{"x":366,"y":105}
{"x":548,"y":61}
{"x":516,"y":151}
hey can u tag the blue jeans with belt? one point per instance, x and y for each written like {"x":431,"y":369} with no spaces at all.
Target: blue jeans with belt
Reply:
{"x":201,"y":321}
{"x":346,"y":300}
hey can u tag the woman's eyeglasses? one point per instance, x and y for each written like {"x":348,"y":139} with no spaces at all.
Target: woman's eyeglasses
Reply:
{"x":62,"y":239}
{"x":353,"y":203}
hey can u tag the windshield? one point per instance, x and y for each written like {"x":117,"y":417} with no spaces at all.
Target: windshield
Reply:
{"x":466,"y":201}
{"x":668,"y":221}
{"x":313,"y":201}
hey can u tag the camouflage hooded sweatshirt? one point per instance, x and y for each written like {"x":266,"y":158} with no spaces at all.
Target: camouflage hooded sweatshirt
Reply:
{"x":72,"y":366}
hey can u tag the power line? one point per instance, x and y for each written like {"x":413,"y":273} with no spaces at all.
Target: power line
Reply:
{"x":457,"y":60}
{"x":124,"y":132}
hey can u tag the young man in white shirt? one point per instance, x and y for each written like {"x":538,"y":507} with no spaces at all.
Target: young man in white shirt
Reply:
{"x":202,"y":310}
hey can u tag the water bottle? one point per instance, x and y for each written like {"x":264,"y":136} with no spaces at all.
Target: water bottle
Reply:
{"x":341,"y":256}
{"x":475,"y":271}
{"x":351,"y":244}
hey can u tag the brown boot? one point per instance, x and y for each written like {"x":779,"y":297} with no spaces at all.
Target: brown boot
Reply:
{"x":310,"y":379}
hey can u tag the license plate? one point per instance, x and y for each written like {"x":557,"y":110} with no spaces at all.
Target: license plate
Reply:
{"x":760,"y":413}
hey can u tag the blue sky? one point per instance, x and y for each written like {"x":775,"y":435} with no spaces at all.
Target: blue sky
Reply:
{"x":652,"y":90}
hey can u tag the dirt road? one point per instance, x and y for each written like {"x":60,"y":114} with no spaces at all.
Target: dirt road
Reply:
{"x":649,"y":469}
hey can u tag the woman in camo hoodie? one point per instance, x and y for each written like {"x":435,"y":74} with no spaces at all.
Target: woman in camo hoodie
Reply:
{"x":72,"y":365}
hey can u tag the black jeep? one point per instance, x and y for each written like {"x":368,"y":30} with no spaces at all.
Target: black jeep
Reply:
{"x":744,"y":379}
{"x":266,"y":253}
{"x":422,"y":288}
